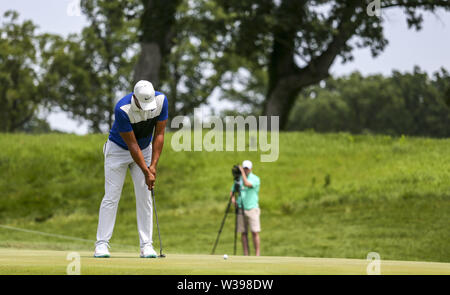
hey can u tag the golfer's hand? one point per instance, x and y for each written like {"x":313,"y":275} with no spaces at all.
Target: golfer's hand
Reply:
{"x":150,"y":180}
{"x":152,"y":170}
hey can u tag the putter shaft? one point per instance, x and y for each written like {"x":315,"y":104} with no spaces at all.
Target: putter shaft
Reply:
{"x":161,"y":255}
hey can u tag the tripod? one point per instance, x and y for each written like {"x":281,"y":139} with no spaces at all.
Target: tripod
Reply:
{"x":237,"y":191}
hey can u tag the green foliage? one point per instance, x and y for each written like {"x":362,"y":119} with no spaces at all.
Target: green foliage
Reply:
{"x":260,"y":54}
{"x":36,"y":126}
{"x":196,"y":64}
{"x":20,"y":83}
{"x":86,"y":73}
{"x":188,"y":73}
{"x":294,"y":43}
{"x":384,"y":194}
{"x":410,"y":103}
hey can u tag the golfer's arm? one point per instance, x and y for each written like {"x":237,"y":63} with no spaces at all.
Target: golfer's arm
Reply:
{"x":135,"y":150}
{"x":158,"y":142}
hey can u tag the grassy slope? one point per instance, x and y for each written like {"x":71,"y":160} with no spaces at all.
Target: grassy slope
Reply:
{"x":388,"y":195}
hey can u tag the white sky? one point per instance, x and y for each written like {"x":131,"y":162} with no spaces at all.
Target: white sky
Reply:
{"x":428,"y":48}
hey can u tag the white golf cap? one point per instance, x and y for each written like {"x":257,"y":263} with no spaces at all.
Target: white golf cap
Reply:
{"x":247,"y":164}
{"x":145,"y":94}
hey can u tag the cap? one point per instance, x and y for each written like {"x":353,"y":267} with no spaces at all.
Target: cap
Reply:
{"x":145,"y":94}
{"x":247,"y":164}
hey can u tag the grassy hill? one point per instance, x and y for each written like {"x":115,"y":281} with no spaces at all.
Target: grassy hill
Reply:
{"x":328,"y":195}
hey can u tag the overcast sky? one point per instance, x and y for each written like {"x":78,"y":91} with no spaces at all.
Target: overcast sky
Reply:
{"x":428,"y":48}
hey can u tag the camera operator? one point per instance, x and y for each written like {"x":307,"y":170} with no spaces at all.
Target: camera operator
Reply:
{"x":248,"y":207}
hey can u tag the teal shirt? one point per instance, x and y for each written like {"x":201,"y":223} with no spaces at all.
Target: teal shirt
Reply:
{"x":249,"y":195}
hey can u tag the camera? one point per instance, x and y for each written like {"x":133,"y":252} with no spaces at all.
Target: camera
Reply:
{"x":236,"y":172}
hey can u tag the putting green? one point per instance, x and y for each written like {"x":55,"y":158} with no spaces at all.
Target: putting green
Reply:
{"x":20,"y":261}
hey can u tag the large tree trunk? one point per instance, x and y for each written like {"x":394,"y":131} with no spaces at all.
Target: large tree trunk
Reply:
{"x":284,"y":91}
{"x":149,"y":63}
{"x":282,"y":88}
{"x":275,"y":106}
{"x":286,"y":79}
{"x":157,"y":22}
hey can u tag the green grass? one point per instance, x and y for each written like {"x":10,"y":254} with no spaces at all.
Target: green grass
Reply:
{"x":328,"y":195}
{"x":26,"y":262}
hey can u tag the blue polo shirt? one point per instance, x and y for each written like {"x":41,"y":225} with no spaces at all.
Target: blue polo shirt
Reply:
{"x":128,"y":117}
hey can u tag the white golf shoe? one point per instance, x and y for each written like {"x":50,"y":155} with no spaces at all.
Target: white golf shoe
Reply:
{"x":148,"y":252}
{"x":101,"y":251}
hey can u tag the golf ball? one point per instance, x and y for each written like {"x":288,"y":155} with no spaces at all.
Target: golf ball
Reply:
{"x":225,"y":256}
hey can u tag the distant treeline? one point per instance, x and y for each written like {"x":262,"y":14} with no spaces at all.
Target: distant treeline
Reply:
{"x":404,"y":103}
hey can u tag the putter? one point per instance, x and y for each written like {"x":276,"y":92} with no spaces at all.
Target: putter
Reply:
{"x":161,"y":255}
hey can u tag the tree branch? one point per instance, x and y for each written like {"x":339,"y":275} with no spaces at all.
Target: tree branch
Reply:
{"x":318,"y":67}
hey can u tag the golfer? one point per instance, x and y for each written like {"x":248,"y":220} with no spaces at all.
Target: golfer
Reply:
{"x":128,"y":147}
{"x":248,"y":207}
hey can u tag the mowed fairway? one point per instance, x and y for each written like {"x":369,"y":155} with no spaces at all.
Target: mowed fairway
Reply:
{"x":35,"y":262}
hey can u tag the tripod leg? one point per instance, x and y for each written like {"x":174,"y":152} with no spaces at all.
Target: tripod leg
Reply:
{"x":221,"y":227}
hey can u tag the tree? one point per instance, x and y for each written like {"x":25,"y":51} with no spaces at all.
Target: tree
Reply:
{"x":298,"y":41}
{"x":442,"y":83}
{"x":404,"y":103}
{"x":193,"y":69}
{"x":176,"y":55}
{"x":156,"y":33}
{"x":19,"y":77}
{"x":87,"y":72}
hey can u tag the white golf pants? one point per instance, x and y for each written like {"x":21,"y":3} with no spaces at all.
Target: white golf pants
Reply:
{"x":117,"y":162}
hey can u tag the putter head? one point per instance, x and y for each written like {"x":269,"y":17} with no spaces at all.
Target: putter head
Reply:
{"x":162,"y":256}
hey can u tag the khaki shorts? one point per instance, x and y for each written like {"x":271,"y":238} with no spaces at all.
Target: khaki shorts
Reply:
{"x":251,"y":219}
